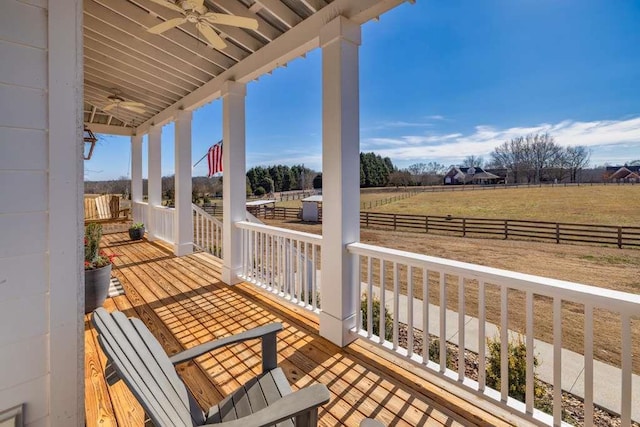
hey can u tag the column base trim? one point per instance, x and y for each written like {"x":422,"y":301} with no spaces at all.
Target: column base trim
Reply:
{"x":231,"y":276}
{"x":338,"y":331}
{"x":183,"y":249}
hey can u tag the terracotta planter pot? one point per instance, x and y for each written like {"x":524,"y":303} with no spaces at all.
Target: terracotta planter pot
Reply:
{"x":136,"y":233}
{"x":96,"y":287}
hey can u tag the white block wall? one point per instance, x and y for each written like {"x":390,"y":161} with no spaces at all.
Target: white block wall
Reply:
{"x":40,"y":278}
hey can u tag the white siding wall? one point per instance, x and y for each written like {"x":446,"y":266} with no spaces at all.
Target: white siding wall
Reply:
{"x":31,"y":330}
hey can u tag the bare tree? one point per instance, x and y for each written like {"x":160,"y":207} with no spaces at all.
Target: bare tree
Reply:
{"x":473,"y":162}
{"x":577,"y":158}
{"x":528,"y":156}
{"x":417,"y":169}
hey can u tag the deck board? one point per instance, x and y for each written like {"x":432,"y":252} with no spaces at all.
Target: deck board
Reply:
{"x":184,"y":303}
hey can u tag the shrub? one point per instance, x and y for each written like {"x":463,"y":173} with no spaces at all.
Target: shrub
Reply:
{"x":517,"y":357}
{"x":434,"y":353}
{"x":388,"y":320}
{"x":259,"y":191}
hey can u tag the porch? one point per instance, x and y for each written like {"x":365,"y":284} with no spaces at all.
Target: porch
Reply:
{"x":184,"y":302}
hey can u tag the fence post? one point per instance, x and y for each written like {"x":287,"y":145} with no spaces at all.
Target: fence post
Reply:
{"x":464,"y":227}
{"x":426,"y":224}
{"x":506,"y":229}
{"x":395,"y":219}
{"x":620,"y":237}
{"x":367,"y":218}
{"x":557,"y":232}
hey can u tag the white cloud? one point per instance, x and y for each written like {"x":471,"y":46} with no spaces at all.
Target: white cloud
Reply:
{"x":614,"y":134}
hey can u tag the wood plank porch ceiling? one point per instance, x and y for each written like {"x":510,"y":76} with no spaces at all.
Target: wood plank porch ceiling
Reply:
{"x":161,"y":70}
{"x":183,"y":303}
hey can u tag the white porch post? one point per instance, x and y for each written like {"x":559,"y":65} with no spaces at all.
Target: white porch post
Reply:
{"x":154,"y":178}
{"x":340,"y":40}
{"x":234,"y":181}
{"x":136,"y":173}
{"x":183,"y":238}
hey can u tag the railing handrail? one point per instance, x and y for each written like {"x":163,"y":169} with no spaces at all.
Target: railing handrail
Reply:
{"x":281,"y":232}
{"x":159,"y":208}
{"x":619,"y":301}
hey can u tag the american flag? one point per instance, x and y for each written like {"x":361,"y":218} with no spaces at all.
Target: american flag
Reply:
{"x":214,"y":159}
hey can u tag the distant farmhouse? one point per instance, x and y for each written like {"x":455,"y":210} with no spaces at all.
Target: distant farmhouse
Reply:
{"x":471,"y":175}
{"x":623,"y":173}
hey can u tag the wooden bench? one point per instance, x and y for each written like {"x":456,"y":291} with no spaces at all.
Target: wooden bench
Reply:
{"x":104,"y":209}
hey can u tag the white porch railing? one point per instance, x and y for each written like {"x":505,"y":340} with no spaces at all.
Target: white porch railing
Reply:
{"x":434,"y":282}
{"x":139,"y":211}
{"x":207,"y":232}
{"x":282,"y":261}
{"x":163,"y":223}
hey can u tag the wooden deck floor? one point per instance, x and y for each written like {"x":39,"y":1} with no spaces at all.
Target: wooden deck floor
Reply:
{"x":183,"y":303}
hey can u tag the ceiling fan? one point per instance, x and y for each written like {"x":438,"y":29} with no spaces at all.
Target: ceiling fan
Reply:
{"x":117,"y":101}
{"x":196,"y":12}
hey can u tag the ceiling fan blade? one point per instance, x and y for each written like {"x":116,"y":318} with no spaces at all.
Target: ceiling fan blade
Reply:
{"x":169,"y":5}
{"x":161,"y":28}
{"x":109,"y":107}
{"x":231,"y":20}
{"x":212,"y":37}
{"x":134,"y":109}
{"x":133,"y":104}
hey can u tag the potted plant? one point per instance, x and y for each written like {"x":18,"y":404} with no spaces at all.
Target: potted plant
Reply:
{"x":97,"y":269}
{"x":136,"y":231}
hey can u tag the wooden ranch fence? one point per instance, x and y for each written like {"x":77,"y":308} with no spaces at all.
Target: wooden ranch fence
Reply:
{"x":507,"y":228}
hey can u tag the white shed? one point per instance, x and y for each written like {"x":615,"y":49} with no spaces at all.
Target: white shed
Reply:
{"x":311,"y":208}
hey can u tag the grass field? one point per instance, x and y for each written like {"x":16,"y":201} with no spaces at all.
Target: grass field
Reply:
{"x":610,"y":204}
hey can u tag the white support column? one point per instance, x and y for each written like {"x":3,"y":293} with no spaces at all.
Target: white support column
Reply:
{"x":154,"y":178}
{"x":234,"y":182}
{"x":340,"y":40}
{"x":136,"y":172}
{"x":183,"y":238}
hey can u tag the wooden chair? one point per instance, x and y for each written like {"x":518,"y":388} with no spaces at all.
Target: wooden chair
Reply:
{"x":140,"y":361}
{"x":104,"y":209}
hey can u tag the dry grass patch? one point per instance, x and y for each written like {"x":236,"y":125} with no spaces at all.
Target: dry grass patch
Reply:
{"x":598,"y":204}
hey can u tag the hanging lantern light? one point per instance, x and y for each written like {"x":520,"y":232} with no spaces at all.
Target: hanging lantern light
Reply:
{"x":89,"y":143}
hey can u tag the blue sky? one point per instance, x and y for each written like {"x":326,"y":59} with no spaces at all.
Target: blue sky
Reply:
{"x":441,"y":80}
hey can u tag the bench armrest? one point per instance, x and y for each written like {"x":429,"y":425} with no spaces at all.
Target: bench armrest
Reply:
{"x":267,"y":333}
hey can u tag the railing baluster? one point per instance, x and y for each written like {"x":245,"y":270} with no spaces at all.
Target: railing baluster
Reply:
{"x":461,"y":346}
{"x":291,"y":270}
{"x":396,"y":305}
{"x":425,"y":316}
{"x":369,"y":296}
{"x":504,"y":344}
{"x":557,"y":361}
{"x":625,"y":411}
{"x":409,"y":311}
{"x":588,"y":365}
{"x":443,"y":322}
{"x":314,"y":285}
{"x":482,"y":341}
{"x":383,"y":308}
{"x":530,"y":357}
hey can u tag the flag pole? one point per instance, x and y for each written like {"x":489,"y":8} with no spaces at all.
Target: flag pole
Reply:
{"x":205,"y":155}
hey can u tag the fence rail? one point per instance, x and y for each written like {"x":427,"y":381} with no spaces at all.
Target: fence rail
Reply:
{"x":507,"y":228}
{"x":416,"y":290}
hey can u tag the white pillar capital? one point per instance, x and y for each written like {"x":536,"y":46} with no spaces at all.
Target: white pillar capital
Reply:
{"x":233,"y":88}
{"x":154,"y":131}
{"x":340,"y":28}
{"x":182,"y":115}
